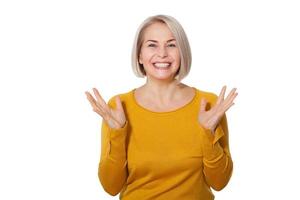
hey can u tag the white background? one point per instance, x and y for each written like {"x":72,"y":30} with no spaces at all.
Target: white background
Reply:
{"x":51,"y":52}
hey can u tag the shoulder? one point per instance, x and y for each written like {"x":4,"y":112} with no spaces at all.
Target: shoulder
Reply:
{"x":124,"y":96}
{"x":211,"y":97}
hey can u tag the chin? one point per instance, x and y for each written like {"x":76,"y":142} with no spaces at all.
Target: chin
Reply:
{"x":162,"y":78}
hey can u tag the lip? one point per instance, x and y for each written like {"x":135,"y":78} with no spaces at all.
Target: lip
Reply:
{"x":162,"y":62}
{"x":162,"y":68}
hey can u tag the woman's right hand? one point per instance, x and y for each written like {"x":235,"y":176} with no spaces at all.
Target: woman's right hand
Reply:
{"x":115,"y":118}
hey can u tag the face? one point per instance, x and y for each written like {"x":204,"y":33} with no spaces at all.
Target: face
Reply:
{"x":159,"y":53}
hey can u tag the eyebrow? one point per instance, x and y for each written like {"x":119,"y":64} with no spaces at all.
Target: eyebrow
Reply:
{"x":156,"y":41}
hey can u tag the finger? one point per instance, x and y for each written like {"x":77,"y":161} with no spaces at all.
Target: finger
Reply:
{"x":96,"y":107}
{"x":99,"y":112}
{"x":106,"y":111}
{"x":203,"y":105}
{"x":100,"y":100}
{"x":91,"y":99}
{"x":111,"y":113}
{"x":119,"y":103}
{"x":230,"y":99}
{"x":229,"y":96}
{"x":231,"y":93}
{"x":221,"y":95}
{"x":119,"y":107}
{"x":108,"y":118}
{"x":227,"y":107}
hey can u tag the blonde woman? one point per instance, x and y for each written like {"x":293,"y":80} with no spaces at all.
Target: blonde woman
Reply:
{"x":164,"y":140}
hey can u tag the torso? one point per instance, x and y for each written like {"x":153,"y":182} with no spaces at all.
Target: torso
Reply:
{"x":185,"y":96}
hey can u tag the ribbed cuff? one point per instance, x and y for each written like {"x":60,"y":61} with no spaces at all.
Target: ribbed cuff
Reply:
{"x":117,"y":143}
{"x":211,"y":147}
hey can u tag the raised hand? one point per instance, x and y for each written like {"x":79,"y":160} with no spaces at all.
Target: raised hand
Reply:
{"x":115,"y":118}
{"x":210,"y":119}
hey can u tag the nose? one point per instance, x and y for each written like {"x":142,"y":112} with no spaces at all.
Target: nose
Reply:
{"x":162,"y":52}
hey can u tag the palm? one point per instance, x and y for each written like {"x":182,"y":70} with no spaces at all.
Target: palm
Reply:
{"x":118,"y":115}
{"x":210,"y":119}
{"x":115,"y":118}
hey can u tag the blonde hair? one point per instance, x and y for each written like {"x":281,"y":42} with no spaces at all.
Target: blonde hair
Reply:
{"x":181,"y":40}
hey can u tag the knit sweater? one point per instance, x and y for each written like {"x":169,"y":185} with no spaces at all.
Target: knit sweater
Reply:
{"x":164,"y":155}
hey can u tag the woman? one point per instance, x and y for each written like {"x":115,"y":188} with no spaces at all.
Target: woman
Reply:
{"x":159,"y":141}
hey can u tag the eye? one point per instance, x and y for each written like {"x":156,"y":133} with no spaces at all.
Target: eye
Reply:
{"x":172,"y":45}
{"x":151,"y":45}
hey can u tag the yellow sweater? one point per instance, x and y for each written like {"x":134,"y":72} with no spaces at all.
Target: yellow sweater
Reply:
{"x":164,"y":155}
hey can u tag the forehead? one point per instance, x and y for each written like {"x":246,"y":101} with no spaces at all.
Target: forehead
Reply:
{"x":158,"y":31}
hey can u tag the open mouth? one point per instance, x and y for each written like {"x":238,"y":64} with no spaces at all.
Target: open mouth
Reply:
{"x":161,"y":65}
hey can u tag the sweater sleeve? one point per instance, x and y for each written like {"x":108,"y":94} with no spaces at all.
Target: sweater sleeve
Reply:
{"x":217,"y":162}
{"x":112,"y":170}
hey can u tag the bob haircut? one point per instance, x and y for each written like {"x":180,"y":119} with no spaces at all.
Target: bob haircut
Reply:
{"x":181,"y":40}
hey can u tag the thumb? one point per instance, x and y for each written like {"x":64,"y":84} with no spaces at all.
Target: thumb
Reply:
{"x":119,"y":103}
{"x":203,"y":105}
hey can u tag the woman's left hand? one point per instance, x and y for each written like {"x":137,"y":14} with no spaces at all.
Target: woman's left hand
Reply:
{"x":210,"y":119}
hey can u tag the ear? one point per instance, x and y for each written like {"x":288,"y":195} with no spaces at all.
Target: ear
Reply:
{"x":140,"y":60}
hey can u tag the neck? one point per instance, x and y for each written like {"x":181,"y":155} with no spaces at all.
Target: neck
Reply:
{"x":162,"y":90}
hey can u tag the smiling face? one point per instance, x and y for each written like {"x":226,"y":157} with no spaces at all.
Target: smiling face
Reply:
{"x":159,"y":53}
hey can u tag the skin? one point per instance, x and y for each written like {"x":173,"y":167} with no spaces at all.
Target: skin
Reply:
{"x":210,"y":119}
{"x":159,"y":45}
{"x":115,"y":118}
{"x":161,"y":88}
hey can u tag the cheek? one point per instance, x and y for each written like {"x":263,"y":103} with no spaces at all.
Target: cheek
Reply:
{"x":176,"y":56}
{"x":146,"y":55}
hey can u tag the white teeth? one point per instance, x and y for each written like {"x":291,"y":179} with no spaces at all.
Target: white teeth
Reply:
{"x":162,"y":65}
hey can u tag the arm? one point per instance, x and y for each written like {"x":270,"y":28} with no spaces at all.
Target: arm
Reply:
{"x":217,"y":162}
{"x":112,"y":170}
